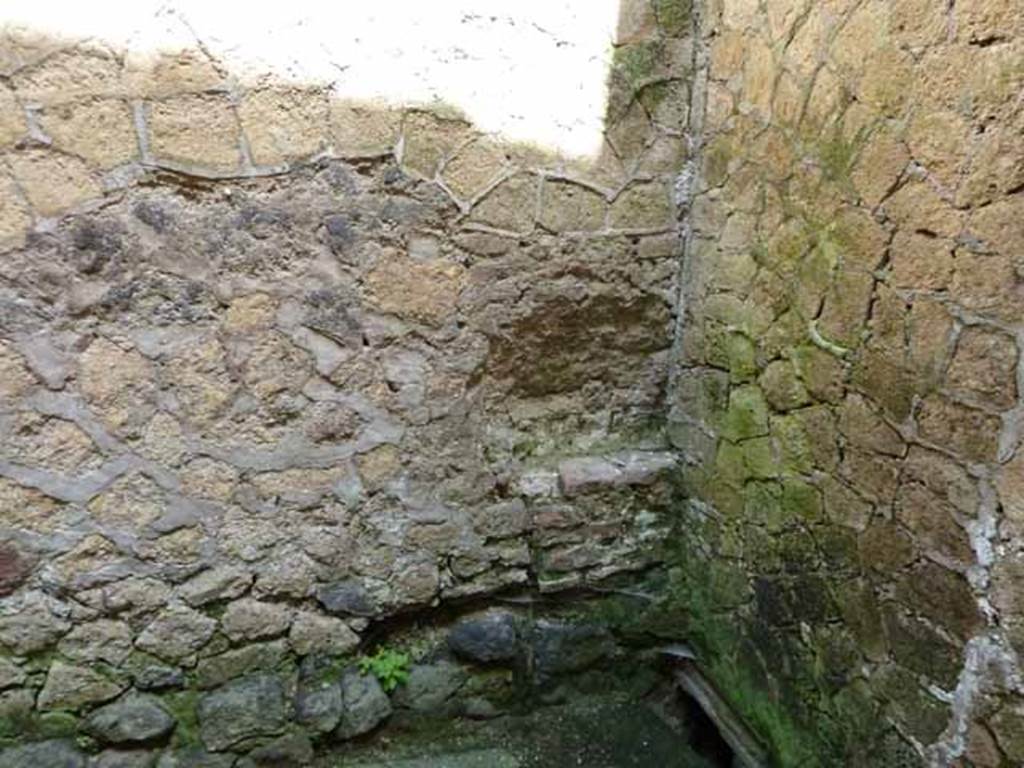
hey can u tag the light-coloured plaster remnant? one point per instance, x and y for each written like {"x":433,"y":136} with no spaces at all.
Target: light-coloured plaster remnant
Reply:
{"x":485,"y":56}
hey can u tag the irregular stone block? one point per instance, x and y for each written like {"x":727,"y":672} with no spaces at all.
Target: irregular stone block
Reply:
{"x":559,"y":647}
{"x":284,"y":124}
{"x":292,"y":751}
{"x":347,"y":598}
{"x":53,"y":182}
{"x":176,"y":633}
{"x":132,"y":720}
{"x":194,"y":757}
{"x":568,"y":207}
{"x":486,"y":638}
{"x":313,"y":633}
{"x":116,"y":759}
{"x":250,"y":619}
{"x":241,"y":710}
{"x":44,"y":754}
{"x":364,"y":705}
{"x":431,"y":686}
{"x":70,"y":687}
{"x":195,"y":131}
{"x":102,"y":131}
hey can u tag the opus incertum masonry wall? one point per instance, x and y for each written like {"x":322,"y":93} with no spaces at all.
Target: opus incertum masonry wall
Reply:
{"x":277,"y":370}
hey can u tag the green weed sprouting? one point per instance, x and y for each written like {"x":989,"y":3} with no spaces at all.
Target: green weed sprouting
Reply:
{"x":389,"y":666}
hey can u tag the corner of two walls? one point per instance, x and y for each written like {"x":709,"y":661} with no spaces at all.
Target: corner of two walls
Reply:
{"x":275,"y":367}
{"x":848,"y":396}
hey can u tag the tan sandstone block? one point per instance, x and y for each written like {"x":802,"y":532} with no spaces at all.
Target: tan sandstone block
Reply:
{"x":27,"y":508}
{"x":997,"y":165}
{"x":195,"y":130}
{"x":644,"y":206}
{"x":53,"y":182}
{"x":920,"y":262}
{"x":171,"y":73}
{"x":985,"y":21}
{"x":101,"y":132}
{"x":985,"y":366}
{"x":72,"y":74}
{"x":879,"y":166}
{"x":364,"y":130}
{"x":1001,"y":227}
{"x":12,"y":119}
{"x":918,"y":23}
{"x":568,"y":207}
{"x":424,"y":291}
{"x":637,"y":22}
{"x":430,"y":139}
{"x":14,"y":216}
{"x":972,"y":433}
{"x":473,"y":169}
{"x":130,"y":504}
{"x":511,"y":205}
{"x":118,"y":383}
{"x":937,"y":140}
{"x":1010,"y":484}
{"x":15,"y":378}
{"x":284,"y":124}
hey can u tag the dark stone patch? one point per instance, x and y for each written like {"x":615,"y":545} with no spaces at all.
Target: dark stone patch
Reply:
{"x":346,"y":598}
{"x":563,"y":344}
{"x":96,"y":244}
{"x":328,"y":313}
{"x":153,"y":214}
{"x":286,"y":752}
{"x":559,"y":648}
{"x":488,"y":638}
{"x":15,"y":568}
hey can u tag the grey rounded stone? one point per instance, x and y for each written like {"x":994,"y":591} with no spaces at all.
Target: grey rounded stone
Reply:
{"x":318,"y":704}
{"x":243,"y":709}
{"x":486,"y":638}
{"x":43,"y":754}
{"x":364,"y":705}
{"x":115,"y":759}
{"x":194,"y":757}
{"x":291,"y":751}
{"x":131,"y":720}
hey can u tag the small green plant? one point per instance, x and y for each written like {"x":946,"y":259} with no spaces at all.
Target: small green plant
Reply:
{"x":389,"y":666}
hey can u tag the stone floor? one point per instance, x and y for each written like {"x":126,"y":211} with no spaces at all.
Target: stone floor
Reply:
{"x":596,"y":732}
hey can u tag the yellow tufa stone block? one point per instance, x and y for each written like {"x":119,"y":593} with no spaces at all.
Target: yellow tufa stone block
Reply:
{"x":14,"y":217}
{"x":430,"y":139}
{"x":77,"y":73}
{"x":53,"y":182}
{"x":509,"y":206}
{"x":364,"y":130}
{"x":12,"y":119}
{"x":422,"y":291}
{"x":101,"y":132}
{"x":568,"y":207}
{"x":171,"y":74}
{"x":643,"y":206}
{"x":195,"y":130}
{"x":473,"y":169}
{"x":284,"y":124}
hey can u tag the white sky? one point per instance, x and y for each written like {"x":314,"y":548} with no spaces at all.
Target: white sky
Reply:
{"x":531,"y":70}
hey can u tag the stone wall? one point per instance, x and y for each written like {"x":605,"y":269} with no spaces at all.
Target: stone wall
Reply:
{"x":849,"y":398}
{"x":276,"y":368}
